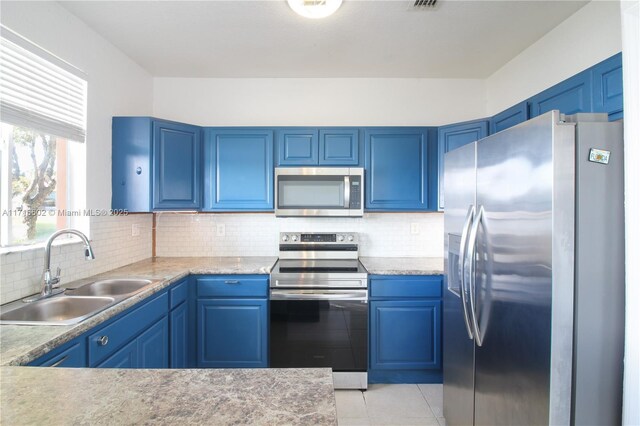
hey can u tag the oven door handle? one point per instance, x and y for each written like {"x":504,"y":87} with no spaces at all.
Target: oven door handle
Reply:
{"x":319,"y":295}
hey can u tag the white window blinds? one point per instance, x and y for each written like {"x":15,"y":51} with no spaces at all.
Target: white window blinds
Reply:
{"x":38,"y":94}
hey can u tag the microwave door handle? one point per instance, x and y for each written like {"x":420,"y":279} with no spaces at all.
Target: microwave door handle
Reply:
{"x":347,"y":192}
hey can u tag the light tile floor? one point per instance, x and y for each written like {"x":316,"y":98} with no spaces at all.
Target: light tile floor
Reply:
{"x":397,"y":405}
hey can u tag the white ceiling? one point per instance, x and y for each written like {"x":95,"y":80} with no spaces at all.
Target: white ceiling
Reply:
{"x":457,"y":39}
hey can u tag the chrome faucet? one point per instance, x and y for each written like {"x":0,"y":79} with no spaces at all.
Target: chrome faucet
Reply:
{"x":50,"y":283}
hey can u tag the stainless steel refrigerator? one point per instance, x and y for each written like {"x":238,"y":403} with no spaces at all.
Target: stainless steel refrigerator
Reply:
{"x":534,"y":259}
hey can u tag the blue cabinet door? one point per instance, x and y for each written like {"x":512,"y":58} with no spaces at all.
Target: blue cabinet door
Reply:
{"x":71,"y":354}
{"x":454,"y":136}
{"x":405,"y":335}
{"x":238,"y":169}
{"x":153,"y":346}
{"x":131,"y":164}
{"x":607,"y":87}
{"x":570,"y":96}
{"x":178,"y":336}
{"x":397,"y":169}
{"x":176,"y":166}
{"x":126,"y":357}
{"x":232,"y":333}
{"x":509,"y":117}
{"x":298,"y":147}
{"x":339,"y":147}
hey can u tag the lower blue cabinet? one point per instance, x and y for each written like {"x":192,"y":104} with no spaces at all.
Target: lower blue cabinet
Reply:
{"x":71,"y":354}
{"x":153,"y":346}
{"x":178,"y":336}
{"x":127,"y":357}
{"x":405,"y":329}
{"x":232,"y":333}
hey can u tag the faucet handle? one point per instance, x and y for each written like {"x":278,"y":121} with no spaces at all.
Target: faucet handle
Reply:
{"x":58,"y":272}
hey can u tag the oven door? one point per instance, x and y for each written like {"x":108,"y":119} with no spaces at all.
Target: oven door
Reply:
{"x":318,"y":191}
{"x":321,"y":328}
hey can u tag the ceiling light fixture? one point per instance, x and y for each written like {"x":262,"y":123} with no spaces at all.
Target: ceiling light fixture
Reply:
{"x":314,"y":9}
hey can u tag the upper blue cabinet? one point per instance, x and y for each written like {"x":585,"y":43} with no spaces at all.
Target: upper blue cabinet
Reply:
{"x":238,"y":167}
{"x":570,"y":96}
{"x":607,"y":87}
{"x":318,"y":147}
{"x":176,"y":168}
{"x":454,"y":136}
{"x":155,"y":165}
{"x":400,"y":169}
{"x":509,"y":117}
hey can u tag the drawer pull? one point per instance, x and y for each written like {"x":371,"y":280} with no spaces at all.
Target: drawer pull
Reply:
{"x":231,"y":282}
{"x":60,"y":361}
{"x":103,"y":340}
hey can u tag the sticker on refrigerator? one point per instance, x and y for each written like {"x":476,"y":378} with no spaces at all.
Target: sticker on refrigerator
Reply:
{"x":599,"y":156}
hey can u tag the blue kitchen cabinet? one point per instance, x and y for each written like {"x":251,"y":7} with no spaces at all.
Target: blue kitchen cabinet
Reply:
{"x":338,"y":146}
{"x":569,"y":96}
{"x":155,"y":165}
{"x":71,"y":354}
{"x":126,"y":357}
{"x":153,"y":345}
{"x":400,"y":169}
{"x":232,"y":321}
{"x":454,"y":136}
{"x":509,"y":117}
{"x":607,"y":87}
{"x":179,"y":336}
{"x":405,"y":317}
{"x":298,"y":147}
{"x":176,"y":169}
{"x":238,"y":167}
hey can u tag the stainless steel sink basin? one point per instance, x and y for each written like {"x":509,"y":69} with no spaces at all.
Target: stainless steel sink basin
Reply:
{"x":115,"y":287}
{"x":60,"y":310}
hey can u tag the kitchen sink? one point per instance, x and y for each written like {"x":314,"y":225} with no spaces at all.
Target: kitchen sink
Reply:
{"x":58,"y":310}
{"x":114,"y":287}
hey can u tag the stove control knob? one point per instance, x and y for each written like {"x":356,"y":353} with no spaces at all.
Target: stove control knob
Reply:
{"x":285,"y":238}
{"x":340,"y":237}
{"x":350,"y":238}
{"x":294,"y":238}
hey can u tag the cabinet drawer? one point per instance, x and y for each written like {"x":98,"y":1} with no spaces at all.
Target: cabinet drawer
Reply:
{"x":126,"y":328}
{"x":406,"y":287}
{"x":178,"y":294}
{"x":232,"y":286}
{"x":72,"y":354}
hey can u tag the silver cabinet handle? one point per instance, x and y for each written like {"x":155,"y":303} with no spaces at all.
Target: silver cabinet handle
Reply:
{"x":461,"y":268}
{"x":60,"y":361}
{"x":102,"y":341}
{"x":231,"y":282}
{"x":470,"y":264}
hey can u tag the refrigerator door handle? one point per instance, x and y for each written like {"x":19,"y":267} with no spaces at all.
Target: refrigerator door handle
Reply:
{"x":461,"y":265}
{"x":470,"y":267}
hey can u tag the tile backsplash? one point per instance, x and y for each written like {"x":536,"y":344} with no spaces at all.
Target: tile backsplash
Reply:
{"x":381,"y":234}
{"x":113,"y":245}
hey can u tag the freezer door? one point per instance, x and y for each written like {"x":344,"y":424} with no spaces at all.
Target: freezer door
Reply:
{"x":517,"y":181}
{"x":458,"y":348}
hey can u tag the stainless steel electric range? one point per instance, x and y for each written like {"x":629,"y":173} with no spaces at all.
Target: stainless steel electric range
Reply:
{"x":318,"y":306}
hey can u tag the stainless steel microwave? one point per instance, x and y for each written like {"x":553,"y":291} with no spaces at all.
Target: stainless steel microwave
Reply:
{"x":319,"y":191}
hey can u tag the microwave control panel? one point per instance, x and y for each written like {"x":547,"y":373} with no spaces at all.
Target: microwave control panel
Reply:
{"x":355,"y":197}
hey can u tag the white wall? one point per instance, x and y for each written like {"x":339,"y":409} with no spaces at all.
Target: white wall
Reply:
{"x":318,"y":101}
{"x":116,"y":86}
{"x":630,"y":12}
{"x":587,"y":37}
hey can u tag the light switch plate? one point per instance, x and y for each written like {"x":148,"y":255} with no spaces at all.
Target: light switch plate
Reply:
{"x":135,"y":229}
{"x":220,"y":230}
{"x":415,"y":229}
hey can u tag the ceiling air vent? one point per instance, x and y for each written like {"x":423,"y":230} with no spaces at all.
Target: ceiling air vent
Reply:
{"x":425,"y":4}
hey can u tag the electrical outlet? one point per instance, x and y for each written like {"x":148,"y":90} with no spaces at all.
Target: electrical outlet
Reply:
{"x":135,"y":229}
{"x":220,"y":230}
{"x":415,"y":228}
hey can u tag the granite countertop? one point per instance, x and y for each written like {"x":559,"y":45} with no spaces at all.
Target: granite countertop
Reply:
{"x":21,"y":344}
{"x":31,"y":395}
{"x":403,"y":265}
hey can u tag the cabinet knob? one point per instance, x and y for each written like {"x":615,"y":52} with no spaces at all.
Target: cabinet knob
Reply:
{"x":103,"y":340}
{"x":232,"y":282}
{"x":138,"y":170}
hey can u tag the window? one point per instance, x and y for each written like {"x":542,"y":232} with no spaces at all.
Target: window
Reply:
{"x":42,"y":130}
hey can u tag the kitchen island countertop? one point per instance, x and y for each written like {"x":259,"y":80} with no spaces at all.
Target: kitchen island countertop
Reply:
{"x":32,"y":395}
{"x":403,"y":265}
